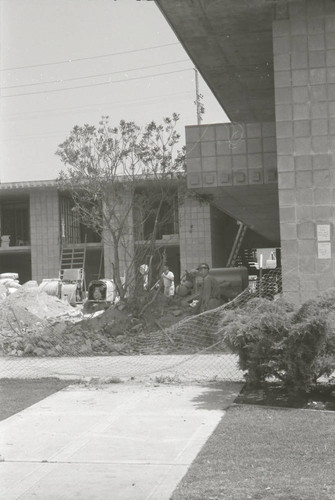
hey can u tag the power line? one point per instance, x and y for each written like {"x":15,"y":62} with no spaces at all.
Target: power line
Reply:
{"x":16,"y":116}
{"x":92,"y":76}
{"x":88,"y":58}
{"x":97,"y":84}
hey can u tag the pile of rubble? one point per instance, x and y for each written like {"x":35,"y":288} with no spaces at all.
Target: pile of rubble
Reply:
{"x":33,"y":323}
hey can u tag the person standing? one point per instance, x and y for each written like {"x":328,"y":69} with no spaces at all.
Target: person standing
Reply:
{"x":210,"y":290}
{"x":168,"y":281}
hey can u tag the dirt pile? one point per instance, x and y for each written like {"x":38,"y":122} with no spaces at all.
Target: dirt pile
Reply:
{"x":36,"y":324}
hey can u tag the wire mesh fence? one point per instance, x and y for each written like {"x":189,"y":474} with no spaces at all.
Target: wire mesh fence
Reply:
{"x":192,"y":349}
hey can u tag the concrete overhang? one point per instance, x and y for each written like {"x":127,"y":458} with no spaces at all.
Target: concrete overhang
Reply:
{"x":230,"y":42}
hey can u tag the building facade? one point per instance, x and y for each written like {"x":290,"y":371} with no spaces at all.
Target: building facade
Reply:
{"x":271,"y":65}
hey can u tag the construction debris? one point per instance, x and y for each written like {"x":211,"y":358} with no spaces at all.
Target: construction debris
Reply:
{"x":34,"y":323}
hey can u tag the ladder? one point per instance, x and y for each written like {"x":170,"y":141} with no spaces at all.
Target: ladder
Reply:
{"x":237,"y":244}
{"x":72,"y":258}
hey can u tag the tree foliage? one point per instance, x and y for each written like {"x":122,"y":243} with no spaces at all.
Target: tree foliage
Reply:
{"x":112,"y":173}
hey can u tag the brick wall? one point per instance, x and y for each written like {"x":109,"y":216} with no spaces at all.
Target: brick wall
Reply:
{"x":44,"y":234}
{"x":304,"y":70}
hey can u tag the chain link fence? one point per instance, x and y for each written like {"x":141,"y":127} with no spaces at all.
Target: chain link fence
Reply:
{"x":193,"y":349}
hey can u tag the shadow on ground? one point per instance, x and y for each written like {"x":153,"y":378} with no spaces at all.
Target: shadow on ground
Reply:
{"x":218,"y":396}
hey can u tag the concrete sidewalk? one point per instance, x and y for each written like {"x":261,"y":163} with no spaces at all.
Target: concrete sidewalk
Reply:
{"x":119,"y":442}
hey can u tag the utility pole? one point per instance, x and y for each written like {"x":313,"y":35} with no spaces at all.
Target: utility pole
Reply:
{"x":198,"y":98}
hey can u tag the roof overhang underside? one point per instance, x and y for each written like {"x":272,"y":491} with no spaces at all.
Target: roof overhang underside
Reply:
{"x":230,"y":42}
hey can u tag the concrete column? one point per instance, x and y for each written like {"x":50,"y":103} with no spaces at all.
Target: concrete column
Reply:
{"x":304,"y":74}
{"x":194,"y":233}
{"x":44,"y":234}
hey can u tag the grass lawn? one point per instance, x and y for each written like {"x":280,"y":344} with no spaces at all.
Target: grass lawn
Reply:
{"x":265,"y":453}
{"x":18,"y":394}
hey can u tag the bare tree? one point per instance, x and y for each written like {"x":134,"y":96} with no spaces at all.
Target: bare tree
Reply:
{"x":112,"y":173}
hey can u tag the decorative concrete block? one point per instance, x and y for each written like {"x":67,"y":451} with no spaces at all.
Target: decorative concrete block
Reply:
{"x":225,"y":179}
{"x":285,"y":146}
{"x":315,"y":24}
{"x":285,"y":163}
{"x":305,"y":212}
{"x":304,"y":179}
{"x":287,"y":197}
{"x":193,"y":165}
{"x":316,"y":42}
{"x":305,"y":196}
{"x":223,"y":148}
{"x":239,"y":161}
{"x":306,"y":230}
{"x":322,"y":195}
{"x":289,"y":247}
{"x":286,"y":180}
{"x":307,"y":265}
{"x":270,"y":175}
{"x":192,"y":134}
{"x":299,"y":77}
{"x":330,"y":40}
{"x":209,"y":164}
{"x":321,"y":178}
{"x":288,"y":231}
{"x":299,"y":60}
{"x":270,"y":160}
{"x":284,"y":112}
{"x":318,"y":93}
{"x":301,"y":111}
{"x":300,"y":95}
{"x":207,"y":133}
{"x":268,"y":129}
{"x":281,"y":45}
{"x":307,"y":247}
{"x":323,"y":212}
{"x":287,"y":214}
{"x":208,"y":149}
{"x":317,"y":59}
{"x":303,"y":162}
{"x":317,"y":76}
{"x":240,"y":177}
{"x":194,"y":180}
{"x":283,"y":78}
{"x":319,"y":110}
{"x":320,"y":144}
{"x":239,"y":148}
{"x":330,"y":57}
{"x":320,"y":127}
{"x":193,"y":150}
{"x":224,"y":162}
{"x":255,"y":161}
{"x":209,"y":179}
{"x":282,"y":62}
{"x":256,"y":176}
{"x":284,"y":129}
{"x":269,"y":144}
{"x":222,"y":132}
{"x":321,"y":161}
{"x":302,"y":145}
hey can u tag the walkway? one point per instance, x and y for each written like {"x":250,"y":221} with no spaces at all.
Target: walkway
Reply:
{"x":116,"y":441}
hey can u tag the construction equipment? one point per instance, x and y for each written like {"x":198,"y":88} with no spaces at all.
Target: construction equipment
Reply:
{"x":72,"y":286}
{"x":232,"y":281}
{"x":101,"y":294}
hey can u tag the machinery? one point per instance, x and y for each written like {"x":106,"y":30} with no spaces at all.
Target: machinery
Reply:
{"x":101,"y":294}
{"x":232,"y":281}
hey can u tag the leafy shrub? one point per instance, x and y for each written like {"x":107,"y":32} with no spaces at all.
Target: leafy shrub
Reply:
{"x":273,"y":339}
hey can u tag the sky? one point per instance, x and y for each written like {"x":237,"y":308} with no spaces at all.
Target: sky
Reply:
{"x":117,"y":58}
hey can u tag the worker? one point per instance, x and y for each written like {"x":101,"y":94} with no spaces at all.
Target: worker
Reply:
{"x":210,"y":291}
{"x":168,"y":281}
